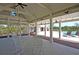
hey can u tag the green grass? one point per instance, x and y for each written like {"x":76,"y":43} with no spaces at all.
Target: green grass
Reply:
{"x":6,"y":30}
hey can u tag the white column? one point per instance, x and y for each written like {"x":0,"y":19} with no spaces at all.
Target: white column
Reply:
{"x":36,"y":28}
{"x":51,"y":25}
{"x":29,"y":29}
{"x":25,"y":30}
{"x":45,"y":29}
{"x":8,"y":27}
{"x":60,"y":29}
{"x":19,"y":21}
{"x":20,"y":26}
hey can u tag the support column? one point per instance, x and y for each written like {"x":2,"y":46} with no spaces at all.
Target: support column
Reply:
{"x":29,"y":29}
{"x":35,"y":28}
{"x":51,"y":25}
{"x":45,"y":29}
{"x":19,"y":21}
{"x":20,"y":27}
{"x":8,"y":28}
{"x":60,"y":29}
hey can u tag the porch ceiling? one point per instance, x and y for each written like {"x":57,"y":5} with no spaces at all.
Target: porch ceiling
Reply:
{"x":37,"y":11}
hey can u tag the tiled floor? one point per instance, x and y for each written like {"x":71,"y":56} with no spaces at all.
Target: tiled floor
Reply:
{"x":33,"y":46}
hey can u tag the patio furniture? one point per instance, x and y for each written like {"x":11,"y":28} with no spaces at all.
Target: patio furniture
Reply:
{"x":67,"y":33}
{"x":75,"y":34}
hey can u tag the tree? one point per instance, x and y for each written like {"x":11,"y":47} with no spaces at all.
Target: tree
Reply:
{"x":77,"y":24}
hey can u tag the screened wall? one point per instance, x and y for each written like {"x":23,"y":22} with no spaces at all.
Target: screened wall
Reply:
{"x":65,"y":27}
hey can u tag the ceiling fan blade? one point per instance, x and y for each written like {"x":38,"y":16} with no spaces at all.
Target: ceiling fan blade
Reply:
{"x":16,"y":5}
{"x":22,"y":6}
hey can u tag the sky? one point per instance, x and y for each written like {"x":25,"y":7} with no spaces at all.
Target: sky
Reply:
{"x":3,"y":25}
{"x":67,"y":23}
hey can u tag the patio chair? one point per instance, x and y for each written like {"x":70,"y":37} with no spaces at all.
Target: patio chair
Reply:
{"x":65,"y":34}
{"x":75,"y":34}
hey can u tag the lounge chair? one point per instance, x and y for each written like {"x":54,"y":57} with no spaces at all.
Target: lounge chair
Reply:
{"x":75,"y":34}
{"x":65,"y":34}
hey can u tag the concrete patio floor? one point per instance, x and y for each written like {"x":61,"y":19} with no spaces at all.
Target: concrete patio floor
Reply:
{"x":28,"y":45}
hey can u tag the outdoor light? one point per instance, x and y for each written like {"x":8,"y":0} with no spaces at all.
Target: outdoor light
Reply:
{"x":13,"y":13}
